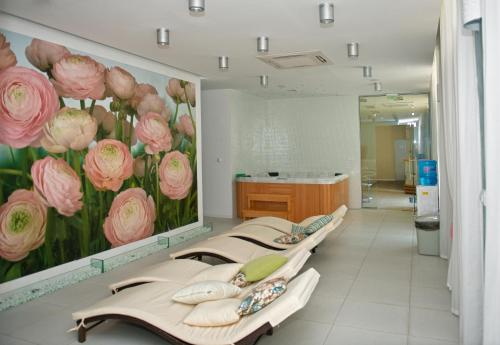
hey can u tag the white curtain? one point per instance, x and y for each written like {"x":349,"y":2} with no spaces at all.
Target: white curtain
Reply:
{"x":491,"y":59}
{"x":462,"y":151}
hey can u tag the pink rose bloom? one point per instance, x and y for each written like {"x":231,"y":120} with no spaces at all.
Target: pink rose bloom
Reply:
{"x":58,"y":184}
{"x":120,"y":82}
{"x":175,"y":90}
{"x":70,"y":128}
{"x":23,"y":219}
{"x":176,"y":176}
{"x":108,"y":164}
{"x":79,"y":77}
{"x":126,"y":130}
{"x":43,"y":55}
{"x":140,"y":91}
{"x":104,"y":118}
{"x":130,"y":218}
{"x":185,"y":125}
{"x":152,"y":103}
{"x":7,"y":56}
{"x":27,"y":101}
{"x":140,"y":165}
{"x":152,"y":129}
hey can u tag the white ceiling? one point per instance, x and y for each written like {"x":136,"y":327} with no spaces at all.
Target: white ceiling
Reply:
{"x":396,"y":37}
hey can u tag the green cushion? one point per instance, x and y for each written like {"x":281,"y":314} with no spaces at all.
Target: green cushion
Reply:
{"x":263,"y":266}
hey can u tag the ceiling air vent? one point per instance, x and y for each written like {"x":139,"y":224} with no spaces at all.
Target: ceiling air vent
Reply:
{"x":296,"y":60}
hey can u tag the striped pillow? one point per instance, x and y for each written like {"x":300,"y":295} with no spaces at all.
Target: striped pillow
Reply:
{"x":298,"y":229}
{"x":317,"y":224}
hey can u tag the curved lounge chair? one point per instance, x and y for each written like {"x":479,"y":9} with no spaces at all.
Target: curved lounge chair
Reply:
{"x":232,"y":249}
{"x":183,"y":270}
{"x":151,"y":307}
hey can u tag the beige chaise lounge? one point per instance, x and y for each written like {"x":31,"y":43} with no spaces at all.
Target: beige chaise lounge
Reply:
{"x":151,"y":307}
{"x":183,"y":270}
{"x":262,"y":231}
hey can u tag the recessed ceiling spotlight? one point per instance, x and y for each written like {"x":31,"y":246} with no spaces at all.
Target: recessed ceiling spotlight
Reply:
{"x":262,"y":44}
{"x":377,"y":86}
{"x":353,"y":50}
{"x":162,"y":37}
{"x":367,"y":71}
{"x":223,"y":63}
{"x":264,"y":79}
{"x":413,"y":113}
{"x":197,"y":6}
{"x":326,"y":13}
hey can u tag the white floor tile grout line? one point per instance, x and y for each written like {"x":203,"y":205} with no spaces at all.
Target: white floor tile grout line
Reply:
{"x":356,"y":277}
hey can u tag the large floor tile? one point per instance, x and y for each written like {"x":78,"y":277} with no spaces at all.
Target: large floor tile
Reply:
{"x":428,"y":341}
{"x":435,"y":324}
{"x":342,"y":335}
{"x":386,"y":272}
{"x":298,"y":332}
{"x":380,"y":291}
{"x":432,"y":298}
{"x":25,"y":315}
{"x":320,"y":308}
{"x":374,"y":316}
{"x":6,"y":340}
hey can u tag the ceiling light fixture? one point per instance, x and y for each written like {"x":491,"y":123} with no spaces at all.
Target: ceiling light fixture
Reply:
{"x":326,"y":13}
{"x":197,"y":6}
{"x":353,"y":50}
{"x":162,"y":37}
{"x":413,"y":114}
{"x":264,"y":80}
{"x":377,"y":86}
{"x":223,"y":63}
{"x":262,"y":44}
{"x":367,"y":71}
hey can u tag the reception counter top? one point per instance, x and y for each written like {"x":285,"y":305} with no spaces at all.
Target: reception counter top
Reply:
{"x":293,"y":198}
{"x":294,"y":180}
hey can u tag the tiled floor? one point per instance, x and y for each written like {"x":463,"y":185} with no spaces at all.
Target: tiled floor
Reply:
{"x":374,"y":290}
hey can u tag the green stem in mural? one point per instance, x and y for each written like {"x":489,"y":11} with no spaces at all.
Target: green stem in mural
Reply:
{"x":49,"y":237}
{"x":178,"y":212}
{"x":12,"y":155}
{"x":82,"y":104}
{"x":146,"y":172}
{"x":85,"y":238}
{"x":92,"y":105}
{"x":61,"y":102}
{"x":187,"y":103}
{"x":102,"y":207}
{"x":131,"y":131}
{"x":14,"y":172}
{"x":34,"y":154}
{"x":24,"y":165}
{"x":174,"y":118}
{"x":157,"y":173}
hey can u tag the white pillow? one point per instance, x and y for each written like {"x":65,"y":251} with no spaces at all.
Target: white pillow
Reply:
{"x":214,"y":313}
{"x":209,"y":290}
{"x":224,"y":273}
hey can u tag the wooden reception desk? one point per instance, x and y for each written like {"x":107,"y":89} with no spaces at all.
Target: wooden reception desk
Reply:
{"x":291,"y":198}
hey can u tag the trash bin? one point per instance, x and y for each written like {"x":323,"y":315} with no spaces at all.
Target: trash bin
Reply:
{"x":427,"y":234}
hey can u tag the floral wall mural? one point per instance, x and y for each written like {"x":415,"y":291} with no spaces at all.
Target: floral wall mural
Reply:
{"x":94,"y":154}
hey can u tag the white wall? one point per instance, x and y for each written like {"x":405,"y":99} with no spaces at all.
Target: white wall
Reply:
{"x":253,"y":135}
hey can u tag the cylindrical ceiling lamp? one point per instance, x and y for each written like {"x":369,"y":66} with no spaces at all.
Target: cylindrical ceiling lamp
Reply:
{"x":264,"y":79}
{"x":353,"y":50}
{"x":262,"y":44}
{"x":377,"y":86}
{"x":367,"y":71}
{"x":197,"y":6}
{"x":162,"y":36}
{"x":223,"y":63}
{"x":326,"y":13}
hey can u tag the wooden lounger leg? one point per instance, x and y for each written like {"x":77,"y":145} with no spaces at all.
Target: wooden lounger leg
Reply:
{"x":82,"y":329}
{"x":254,"y":337}
{"x":314,"y":250}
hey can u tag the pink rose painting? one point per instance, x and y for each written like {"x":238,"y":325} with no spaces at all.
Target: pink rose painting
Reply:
{"x":94,"y":154}
{"x":58,"y":185}
{"x":176,"y":176}
{"x":131,"y":217}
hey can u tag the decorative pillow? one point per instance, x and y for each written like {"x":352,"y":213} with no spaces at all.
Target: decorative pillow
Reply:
{"x":261,"y":296}
{"x":209,"y":290}
{"x":214,"y":313}
{"x":290,"y":239}
{"x":240,"y":280}
{"x":223,"y":273}
{"x":318,"y":224}
{"x":263,"y":266}
{"x":298,"y":229}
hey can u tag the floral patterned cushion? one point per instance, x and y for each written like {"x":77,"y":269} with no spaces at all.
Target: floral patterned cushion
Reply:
{"x":240,"y":280}
{"x":262,"y":295}
{"x":290,"y":239}
{"x":298,"y":229}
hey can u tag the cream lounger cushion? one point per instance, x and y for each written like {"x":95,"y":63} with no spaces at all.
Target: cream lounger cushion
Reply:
{"x":210,"y":290}
{"x":223,"y":273}
{"x":214,"y":313}
{"x":152,"y":303}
